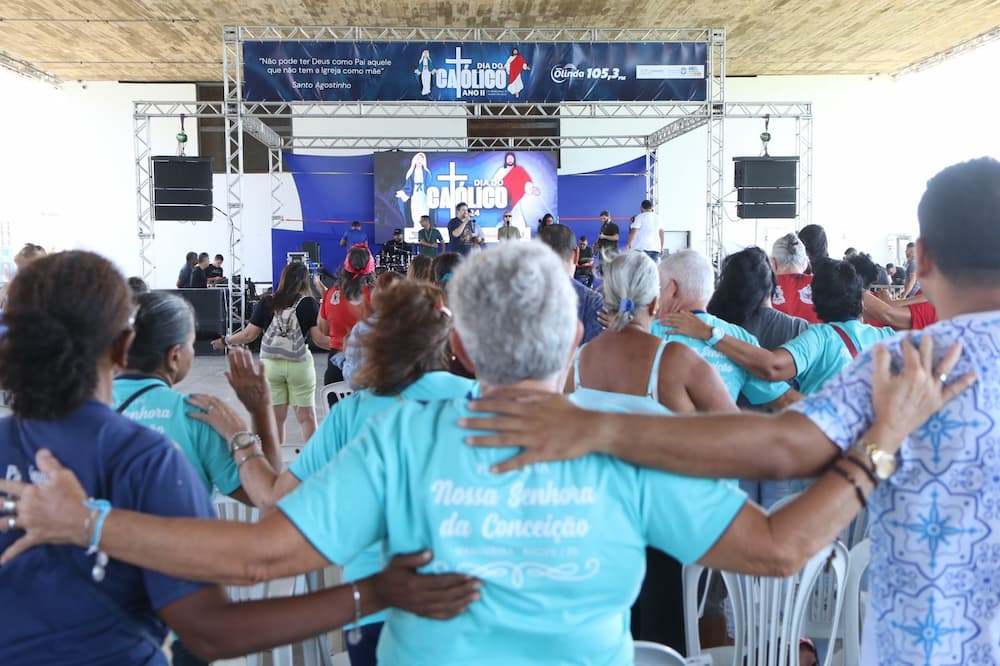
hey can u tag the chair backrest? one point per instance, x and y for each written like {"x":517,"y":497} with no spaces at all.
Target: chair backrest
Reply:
{"x":230,"y":509}
{"x":857,"y":565}
{"x":770,"y":612}
{"x":654,"y":654}
{"x":691,"y":575}
{"x":339,"y":389}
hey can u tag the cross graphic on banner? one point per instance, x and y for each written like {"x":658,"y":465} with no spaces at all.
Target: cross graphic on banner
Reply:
{"x":458,"y":61}
{"x":453,"y":179}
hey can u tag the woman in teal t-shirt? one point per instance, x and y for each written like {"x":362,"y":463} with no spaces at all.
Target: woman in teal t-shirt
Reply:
{"x":160,"y":357}
{"x":403,"y":359}
{"x":819,"y":353}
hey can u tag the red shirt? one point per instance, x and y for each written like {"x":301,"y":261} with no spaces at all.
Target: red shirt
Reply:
{"x":342,"y":315}
{"x":923,"y":314}
{"x":793,"y":296}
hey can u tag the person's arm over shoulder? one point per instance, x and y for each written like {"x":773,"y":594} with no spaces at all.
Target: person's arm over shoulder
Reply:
{"x":594,"y":304}
{"x":160,"y":481}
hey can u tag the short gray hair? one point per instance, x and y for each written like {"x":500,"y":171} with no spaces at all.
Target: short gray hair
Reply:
{"x":790,"y":251}
{"x":515,"y":311}
{"x":691,"y":271}
{"x":629,"y":277}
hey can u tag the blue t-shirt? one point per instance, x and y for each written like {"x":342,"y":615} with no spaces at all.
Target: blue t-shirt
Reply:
{"x":589,"y":303}
{"x":560,"y":547}
{"x":345,"y":421}
{"x":737,"y":380}
{"x":355,"y":236}
{"x":166,"y":411}
{"x":820,"y":353}
{"x":934,"y":577}
{"x":53,"y":611}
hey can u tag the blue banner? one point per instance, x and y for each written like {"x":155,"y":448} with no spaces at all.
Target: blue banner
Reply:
{"x":475,"y":71}
{"x":409,"y":185}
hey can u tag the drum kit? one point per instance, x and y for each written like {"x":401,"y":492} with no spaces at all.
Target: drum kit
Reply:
{"x":387,"y":260}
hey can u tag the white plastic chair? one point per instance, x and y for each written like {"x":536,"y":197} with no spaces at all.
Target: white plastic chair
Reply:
{"x":694,"y":607}
{"x":854,"y":609}
{"x":314,"y":650}
{"x":339,"y":389}
{"x":654,"y":654}
{"x":770,"y":612}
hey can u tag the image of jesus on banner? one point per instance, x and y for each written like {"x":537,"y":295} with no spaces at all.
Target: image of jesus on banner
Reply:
{"x":516,"y":65}
{"x":522,"y":193}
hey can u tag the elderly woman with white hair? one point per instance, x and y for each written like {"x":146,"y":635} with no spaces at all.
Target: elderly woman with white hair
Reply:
{"x":629,"y":368}
{"x":793,"y":291}
{"x":559,"y":547}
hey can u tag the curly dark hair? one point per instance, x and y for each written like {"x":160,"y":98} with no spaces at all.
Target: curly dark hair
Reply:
{"x":409,"y":337}
{"x":866,"y":269}
{"x":837,"y":290}
{"x":57,"y":334}
{"x":745,"y":283}
{"x":162,"y":322}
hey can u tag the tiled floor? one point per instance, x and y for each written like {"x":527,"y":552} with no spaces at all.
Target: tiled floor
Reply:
{"x":208,"y":376}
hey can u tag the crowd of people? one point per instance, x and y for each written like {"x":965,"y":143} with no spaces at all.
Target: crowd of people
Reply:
{"x":526,"y":462}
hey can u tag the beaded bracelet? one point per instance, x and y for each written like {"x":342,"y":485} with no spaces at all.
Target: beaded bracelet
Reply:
{"x":857,"y":489}
{"x":101,"y":508}
{"x":250,"y":456}
{"x":864,"y":468}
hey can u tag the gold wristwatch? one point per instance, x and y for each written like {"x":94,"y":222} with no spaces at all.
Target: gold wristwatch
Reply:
{"x":883,"y":463}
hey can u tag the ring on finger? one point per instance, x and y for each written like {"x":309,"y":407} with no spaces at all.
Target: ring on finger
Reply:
{"x":943,"y":377}
{"x":9,"y":506}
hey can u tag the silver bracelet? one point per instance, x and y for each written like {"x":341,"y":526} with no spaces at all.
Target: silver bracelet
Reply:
{"x":250,"y":456}
{"x":354,"y":635}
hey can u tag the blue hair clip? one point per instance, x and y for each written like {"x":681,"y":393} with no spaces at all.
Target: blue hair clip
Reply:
{"x":445,"y":277}
{"x":627,"y":305}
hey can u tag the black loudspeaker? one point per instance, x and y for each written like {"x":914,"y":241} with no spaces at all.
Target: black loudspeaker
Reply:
{"x":312,"y":247}
{"x":766,"y":187}
{"x":211,"y":314}
{"x":182,"y":188}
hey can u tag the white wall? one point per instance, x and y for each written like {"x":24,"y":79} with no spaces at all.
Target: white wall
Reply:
{"x":68,"y":180}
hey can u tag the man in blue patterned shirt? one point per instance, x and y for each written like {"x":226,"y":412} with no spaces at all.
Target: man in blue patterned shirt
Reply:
{"x":934,"y":577}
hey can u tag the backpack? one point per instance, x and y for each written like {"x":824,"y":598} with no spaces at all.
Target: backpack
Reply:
{"x":283,"y":337}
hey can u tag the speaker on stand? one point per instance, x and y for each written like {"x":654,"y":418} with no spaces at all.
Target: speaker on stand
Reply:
{"x":766,"y":187}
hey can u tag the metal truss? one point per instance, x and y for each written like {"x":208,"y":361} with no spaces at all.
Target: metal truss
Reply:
{"x":948,"y":54}
{"x":142,"y":137}
{"x":24,"y":68}
{"x":451,"y":143}
{"x":804,"y":146}
{"x":275,"y":169}
{"x":716,"y":108}
{"x":232,"y":65}
{"x":377,"y":34}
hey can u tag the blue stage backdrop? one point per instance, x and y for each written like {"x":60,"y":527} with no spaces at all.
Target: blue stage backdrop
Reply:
{"x":618,"y":189}
{"x":409,"y":185}
{"x":474,"y":71}
{"x":333,"y":191}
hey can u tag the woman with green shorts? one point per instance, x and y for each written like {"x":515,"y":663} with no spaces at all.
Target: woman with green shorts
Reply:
{"x":287,"y":320}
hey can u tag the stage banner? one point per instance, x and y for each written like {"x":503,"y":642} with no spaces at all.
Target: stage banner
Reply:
{"x":409,"y":185}
{"x":474,"y":71}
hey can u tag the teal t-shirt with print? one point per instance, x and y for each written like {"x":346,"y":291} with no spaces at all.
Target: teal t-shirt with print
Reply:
{"x":166,"y":411}
{"x":560,"y":547}
{"x":820,"y":353}
{"x":345,"y":421}
{"x":737,"y":380}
